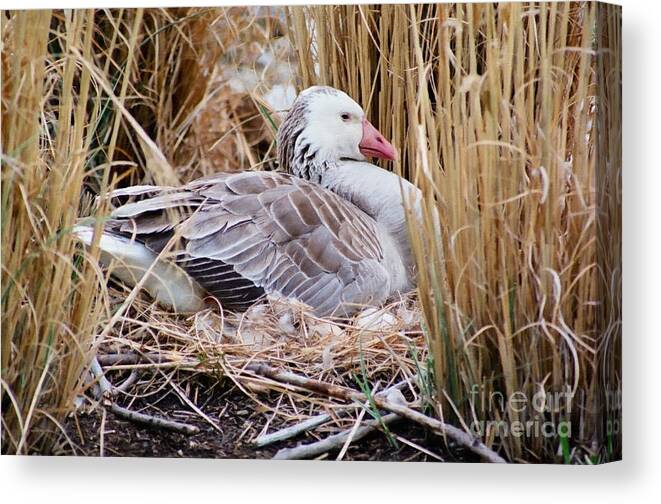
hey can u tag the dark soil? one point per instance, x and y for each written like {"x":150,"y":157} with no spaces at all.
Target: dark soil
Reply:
{"x":240,"y":422}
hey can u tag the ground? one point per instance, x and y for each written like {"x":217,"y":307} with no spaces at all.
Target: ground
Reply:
{"x":240,"y":422}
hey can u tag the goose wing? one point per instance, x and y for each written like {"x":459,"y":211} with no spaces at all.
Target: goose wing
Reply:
{"x":240,"y":235}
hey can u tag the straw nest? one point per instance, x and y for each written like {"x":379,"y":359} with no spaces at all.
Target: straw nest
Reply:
{"x":387,"y":342}
{"x":338,"y":380}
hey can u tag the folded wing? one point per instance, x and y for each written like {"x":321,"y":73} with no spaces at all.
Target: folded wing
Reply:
{"x":241,"y":235}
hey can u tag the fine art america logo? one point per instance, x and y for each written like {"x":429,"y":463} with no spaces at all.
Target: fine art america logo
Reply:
{"x":544,"y":414}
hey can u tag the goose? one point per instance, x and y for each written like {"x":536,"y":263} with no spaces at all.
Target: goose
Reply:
{"x":328,"y":230}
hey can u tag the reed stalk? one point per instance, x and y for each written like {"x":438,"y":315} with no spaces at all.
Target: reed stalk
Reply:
{"x":507,"y":117}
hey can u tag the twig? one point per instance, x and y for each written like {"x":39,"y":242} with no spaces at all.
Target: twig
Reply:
{"x":133,"y":377}
{"x":335,"y":441}
{"x":292,"y":431}
{"x":121,"y":358}
{"x":104,"y":384}
{"x":459,"y":436}
{"x":189,"y":365}
{"x":120,"y":361}
{"x":352,"y":433}
{"x":311,"y":423}
{"x":105,"y":392}
{"x":153,"y":421}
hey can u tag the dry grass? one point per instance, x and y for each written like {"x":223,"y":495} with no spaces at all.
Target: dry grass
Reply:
{"x":50,"y":300}
{"x":496,"y":112}
{"x":71,"y":79}
{"x":507,"y":117}
{"x":284,"y":334}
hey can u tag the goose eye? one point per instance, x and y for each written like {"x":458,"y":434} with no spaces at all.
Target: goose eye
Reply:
{"x":345,"y":116}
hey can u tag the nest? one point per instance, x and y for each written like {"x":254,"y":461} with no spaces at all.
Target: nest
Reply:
{"x":387,"y":342}
{"x":342,"y":379}
{"x":151,"y":352}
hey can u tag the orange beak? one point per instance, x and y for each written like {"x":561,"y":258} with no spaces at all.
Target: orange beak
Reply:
{"x":374,"y":145}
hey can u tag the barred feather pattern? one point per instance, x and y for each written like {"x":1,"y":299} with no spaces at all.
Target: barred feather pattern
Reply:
{"x":242,"y":235}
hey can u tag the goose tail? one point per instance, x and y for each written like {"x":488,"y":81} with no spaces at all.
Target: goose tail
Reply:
{"x":129,"y":260}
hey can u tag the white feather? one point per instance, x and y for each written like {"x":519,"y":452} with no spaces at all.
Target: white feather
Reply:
{"x":379,"y":194}
{"x":129,"y":260}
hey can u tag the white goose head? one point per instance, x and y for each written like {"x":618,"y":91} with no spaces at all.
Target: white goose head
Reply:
{"x":325,"y":127}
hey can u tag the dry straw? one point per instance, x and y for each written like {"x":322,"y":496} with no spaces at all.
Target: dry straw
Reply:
{"x":62,"y":139}
{"x":50,"y":305}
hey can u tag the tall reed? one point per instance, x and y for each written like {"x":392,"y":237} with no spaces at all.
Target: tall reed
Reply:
{"x":71,"y":80}
{"x":50,"y":300}
{"x":507,"y":117}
